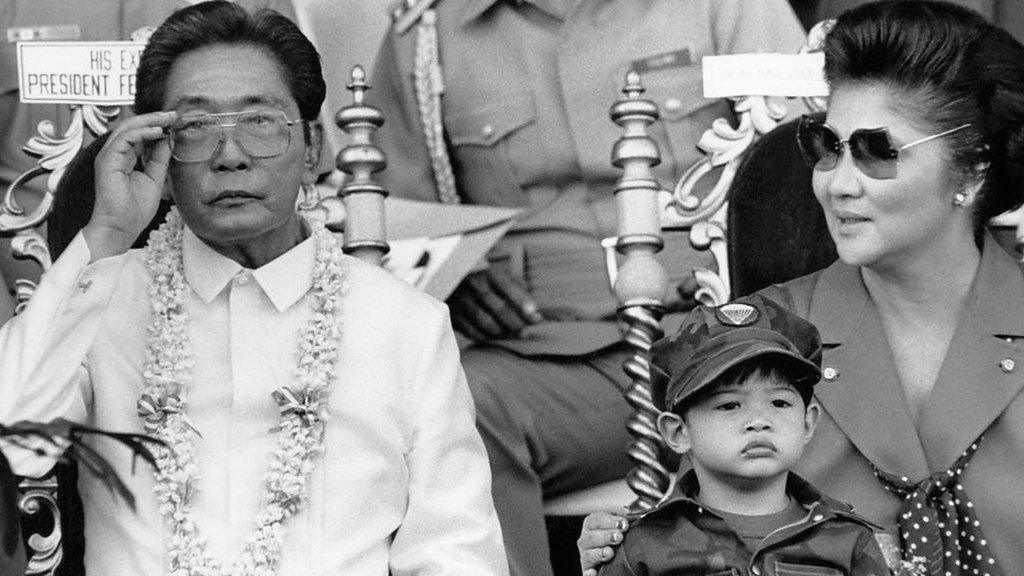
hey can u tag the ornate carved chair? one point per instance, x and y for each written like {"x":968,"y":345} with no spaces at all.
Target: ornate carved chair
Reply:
{"x":51,"y":517}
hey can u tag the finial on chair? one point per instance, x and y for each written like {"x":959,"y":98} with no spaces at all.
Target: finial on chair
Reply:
{"x":633,"y":88}
{"x":634,"y":114}
{"x":357,"y":85}
{"x":636,"y":153}
{"x":365,"y":233}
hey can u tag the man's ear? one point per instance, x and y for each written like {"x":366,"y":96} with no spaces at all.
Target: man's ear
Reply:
{"x":811,"y":416}
{"x":675,"y":432}
{"x":313,"y":149}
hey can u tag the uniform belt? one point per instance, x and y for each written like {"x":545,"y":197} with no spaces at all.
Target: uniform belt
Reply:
{"x":574,"y":279}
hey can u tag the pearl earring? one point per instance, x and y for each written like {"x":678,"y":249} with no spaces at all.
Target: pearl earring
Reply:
{"x":959,"y":199}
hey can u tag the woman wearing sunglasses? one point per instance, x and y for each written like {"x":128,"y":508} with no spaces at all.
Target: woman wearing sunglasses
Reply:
{"x":923,"y":316}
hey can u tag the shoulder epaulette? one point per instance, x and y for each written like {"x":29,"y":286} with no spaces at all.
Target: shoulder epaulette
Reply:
{"x":406,"y":13}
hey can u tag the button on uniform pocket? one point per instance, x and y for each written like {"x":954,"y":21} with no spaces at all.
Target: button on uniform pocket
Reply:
{"x":685,"y":113}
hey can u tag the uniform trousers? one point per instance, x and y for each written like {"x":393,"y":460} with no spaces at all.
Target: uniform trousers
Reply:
{"x":551,"y":425}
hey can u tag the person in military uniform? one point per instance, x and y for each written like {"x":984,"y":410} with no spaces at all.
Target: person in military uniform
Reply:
{"x":737,"y":382}
{"x":505,"y":103}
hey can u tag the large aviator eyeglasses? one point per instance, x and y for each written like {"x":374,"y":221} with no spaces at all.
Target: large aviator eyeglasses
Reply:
{"x":260,"y":133}
{"x":873,"y":150}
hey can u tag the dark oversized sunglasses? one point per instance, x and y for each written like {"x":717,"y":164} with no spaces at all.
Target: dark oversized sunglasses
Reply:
{"x":873,"y":150}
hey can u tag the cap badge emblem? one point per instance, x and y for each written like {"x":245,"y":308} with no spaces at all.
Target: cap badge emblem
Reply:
{"x":737,"y":314}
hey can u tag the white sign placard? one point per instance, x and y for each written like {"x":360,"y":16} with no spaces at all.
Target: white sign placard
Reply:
{"x":764,"y":75}
{"x":78,"y":72}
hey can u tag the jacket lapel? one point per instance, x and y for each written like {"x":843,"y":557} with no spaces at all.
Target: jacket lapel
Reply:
{"x":984,"y":367}
{"x":863,"y":396}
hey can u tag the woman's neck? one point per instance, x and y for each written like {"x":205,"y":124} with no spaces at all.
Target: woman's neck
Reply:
{"x":938,"y":281}
{"x":919,"y":305}
{"x":748,"y":497}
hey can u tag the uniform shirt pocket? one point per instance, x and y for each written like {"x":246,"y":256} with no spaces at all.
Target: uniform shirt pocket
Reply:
{"x":485,"y":139}
{"x":685,"y":112}
{"x":492,"y":122}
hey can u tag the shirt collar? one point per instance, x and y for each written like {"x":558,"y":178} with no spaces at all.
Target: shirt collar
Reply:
{"x":998,"y":287}
{"x":284,"y":280}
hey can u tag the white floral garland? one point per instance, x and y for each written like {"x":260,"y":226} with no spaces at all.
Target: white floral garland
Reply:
{"x":303,"y":408}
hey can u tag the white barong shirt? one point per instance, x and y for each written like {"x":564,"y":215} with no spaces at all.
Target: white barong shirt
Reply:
{"x":403,"y":485}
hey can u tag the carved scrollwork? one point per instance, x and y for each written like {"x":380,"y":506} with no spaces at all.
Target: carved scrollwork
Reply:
{"x":39,"y":498}
{"x":54,"y":153}
{"x":724,"y":146}
{"x":23,"y":290}
{"x":713,"y":287}
{"x":29,"y":243}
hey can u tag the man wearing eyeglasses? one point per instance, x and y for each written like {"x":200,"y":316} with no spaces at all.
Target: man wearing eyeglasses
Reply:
{"x":316,"y":417}
{"x":58,"y":20}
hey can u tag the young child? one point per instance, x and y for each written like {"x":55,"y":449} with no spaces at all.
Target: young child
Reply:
{"x":736,"y":383}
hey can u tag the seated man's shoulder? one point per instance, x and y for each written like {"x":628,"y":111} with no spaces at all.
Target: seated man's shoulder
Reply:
{"x":376,"y":285}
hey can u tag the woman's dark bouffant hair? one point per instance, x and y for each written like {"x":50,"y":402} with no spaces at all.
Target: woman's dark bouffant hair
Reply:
{"x":953,"y":68}
{"x":220,"y":22}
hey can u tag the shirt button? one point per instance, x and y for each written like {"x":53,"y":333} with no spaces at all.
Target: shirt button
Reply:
{"x":673,"y":105}
{"x":1007,"y":365}
{"x":829,"y":373}
{"x":242,"y":279}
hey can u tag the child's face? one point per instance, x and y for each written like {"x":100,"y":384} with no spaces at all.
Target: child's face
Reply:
{"x":753,"y":430}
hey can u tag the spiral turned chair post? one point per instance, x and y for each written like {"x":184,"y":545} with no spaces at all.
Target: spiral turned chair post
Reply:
{"x":364,"y":227}
{"x":641,"y":283}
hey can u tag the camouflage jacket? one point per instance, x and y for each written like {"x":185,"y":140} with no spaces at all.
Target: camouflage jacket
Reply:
{"x":682,"y":538}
